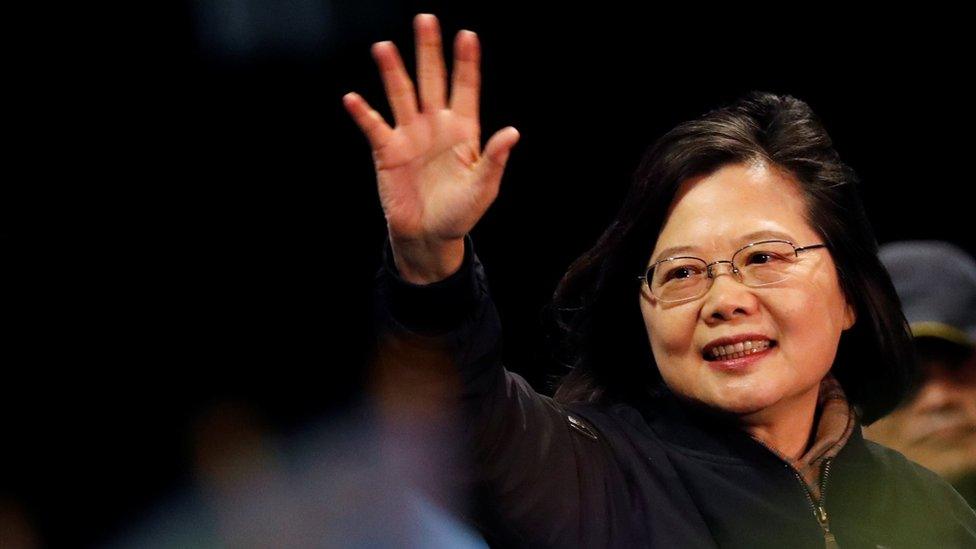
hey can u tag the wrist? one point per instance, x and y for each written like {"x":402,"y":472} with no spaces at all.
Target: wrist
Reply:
{"x":422,"y":262}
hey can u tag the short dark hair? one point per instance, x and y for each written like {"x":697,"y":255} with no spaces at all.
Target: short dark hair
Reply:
{"x":594,"y":320}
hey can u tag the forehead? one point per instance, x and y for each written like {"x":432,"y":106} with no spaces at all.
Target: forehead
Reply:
{"x":732,"y":206}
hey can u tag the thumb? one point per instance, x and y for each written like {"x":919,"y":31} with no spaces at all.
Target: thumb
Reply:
{"x":497,"y":151}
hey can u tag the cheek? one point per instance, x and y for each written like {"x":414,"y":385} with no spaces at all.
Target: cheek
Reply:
{"x":671,"y":334}
{"x":969,"y":400}
{"x":809,"y":327}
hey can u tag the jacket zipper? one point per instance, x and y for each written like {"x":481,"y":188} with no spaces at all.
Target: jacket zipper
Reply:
{"x":819,"y":508}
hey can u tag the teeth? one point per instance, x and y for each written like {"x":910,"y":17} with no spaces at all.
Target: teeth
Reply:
{"x":740,"y":349}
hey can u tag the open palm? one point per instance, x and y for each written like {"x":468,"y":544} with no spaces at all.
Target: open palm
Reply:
{"x":434,"y":181}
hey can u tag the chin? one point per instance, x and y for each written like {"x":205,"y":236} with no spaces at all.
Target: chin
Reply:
{"x":743,"y":400}
{"x":737,"y":407}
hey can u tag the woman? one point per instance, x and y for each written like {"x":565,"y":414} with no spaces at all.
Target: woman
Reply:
{"x":701,"y":410}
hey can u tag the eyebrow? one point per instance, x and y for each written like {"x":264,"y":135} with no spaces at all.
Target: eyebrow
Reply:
{"x":744,"y":239}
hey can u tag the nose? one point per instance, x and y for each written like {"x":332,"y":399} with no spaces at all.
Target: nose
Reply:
{"x":727,"y":296}
{"x":934,"y":394}
{"x":940,"y":391}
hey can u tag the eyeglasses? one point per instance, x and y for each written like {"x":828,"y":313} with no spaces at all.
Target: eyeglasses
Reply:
{"x":758,"y":264}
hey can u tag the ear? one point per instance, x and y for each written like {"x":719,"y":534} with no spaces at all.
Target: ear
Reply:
{"x":850,"y":316}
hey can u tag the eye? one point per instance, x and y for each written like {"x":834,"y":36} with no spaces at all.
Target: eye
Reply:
{"x":762,"y":258}
{"x":681,"y":273}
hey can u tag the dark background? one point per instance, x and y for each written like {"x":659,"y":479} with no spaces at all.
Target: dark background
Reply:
{"x":203,"y":225}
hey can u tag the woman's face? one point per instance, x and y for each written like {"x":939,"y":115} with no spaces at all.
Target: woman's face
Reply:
{"x":804,"y":315}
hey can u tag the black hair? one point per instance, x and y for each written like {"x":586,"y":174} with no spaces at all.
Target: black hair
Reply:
{"x":594,"y":321}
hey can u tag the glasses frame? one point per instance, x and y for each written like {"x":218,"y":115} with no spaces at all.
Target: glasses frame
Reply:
{"x":709,"y":273}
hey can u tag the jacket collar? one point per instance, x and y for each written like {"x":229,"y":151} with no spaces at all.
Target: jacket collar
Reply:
{"x":834,"y":422}
{"x":708,"y":435}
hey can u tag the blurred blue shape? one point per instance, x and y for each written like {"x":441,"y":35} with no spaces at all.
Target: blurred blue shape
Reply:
{"x":256,"y":28}
{"x":439,"y":529}
{"x":343,"y":484}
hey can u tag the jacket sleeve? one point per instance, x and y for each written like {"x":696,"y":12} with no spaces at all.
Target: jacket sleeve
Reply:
{"x":521,"y":443}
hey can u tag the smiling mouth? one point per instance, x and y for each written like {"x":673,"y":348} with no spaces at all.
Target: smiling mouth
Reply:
{"x":732,"y":352}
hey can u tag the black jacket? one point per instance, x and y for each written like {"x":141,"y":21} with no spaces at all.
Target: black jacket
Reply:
{"x":652,"y":474}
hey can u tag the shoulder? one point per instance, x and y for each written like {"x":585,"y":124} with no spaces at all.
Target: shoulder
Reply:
{"x":894,"y":464}
{"x":923,"y":485}
{"x":604,"y":419}
{"x":620,"y":429}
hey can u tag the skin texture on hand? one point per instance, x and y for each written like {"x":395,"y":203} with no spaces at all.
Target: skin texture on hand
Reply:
{"x":434,"y":181}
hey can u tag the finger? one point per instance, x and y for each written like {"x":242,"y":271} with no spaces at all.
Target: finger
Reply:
{"x":369,"y":121}
{"x":496,"y":154}
{"x":431,"y":74}
{"x":399,"y":89}
{"x":466,"y":80}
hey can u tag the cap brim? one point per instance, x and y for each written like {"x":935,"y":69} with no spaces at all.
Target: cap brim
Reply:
{"x":942,"y":331}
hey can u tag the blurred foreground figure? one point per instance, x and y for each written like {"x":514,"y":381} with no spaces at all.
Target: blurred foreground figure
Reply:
{"x":936,"y":426}
{"x":360,"y":480}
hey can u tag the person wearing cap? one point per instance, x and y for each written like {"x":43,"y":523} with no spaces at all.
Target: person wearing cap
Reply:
{"x":936,"y":424}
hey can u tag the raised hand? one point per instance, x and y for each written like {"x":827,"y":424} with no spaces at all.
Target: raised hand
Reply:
{"x":434,"y":180}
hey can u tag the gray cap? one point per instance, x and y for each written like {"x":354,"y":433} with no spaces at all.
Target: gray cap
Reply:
{"x":936,"y":282}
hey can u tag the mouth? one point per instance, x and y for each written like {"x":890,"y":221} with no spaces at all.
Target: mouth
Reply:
{"x":727,"y":353}
{"x":949,"y":435}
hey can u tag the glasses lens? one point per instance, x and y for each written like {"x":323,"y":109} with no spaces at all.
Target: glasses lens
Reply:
{"x":679,"y":278}
{"x":765,"y":263}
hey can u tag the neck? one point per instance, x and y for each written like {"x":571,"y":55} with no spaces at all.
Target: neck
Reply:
{"x":785,"y":427}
